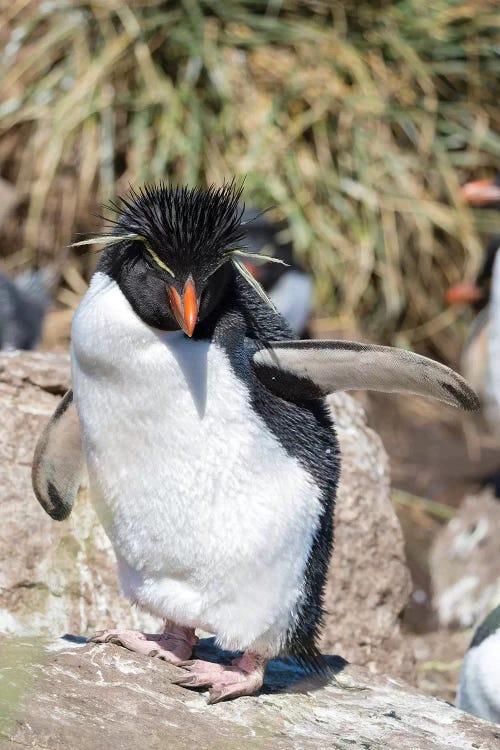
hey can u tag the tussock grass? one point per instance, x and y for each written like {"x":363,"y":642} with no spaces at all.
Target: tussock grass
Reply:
{"x":358,"y":120}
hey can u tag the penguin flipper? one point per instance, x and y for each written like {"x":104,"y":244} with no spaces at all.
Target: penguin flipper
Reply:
{"x":349,"y":365}
{"x":58,"y":468}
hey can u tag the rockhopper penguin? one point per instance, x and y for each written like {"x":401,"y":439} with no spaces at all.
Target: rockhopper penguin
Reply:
{"x":211,"y":455}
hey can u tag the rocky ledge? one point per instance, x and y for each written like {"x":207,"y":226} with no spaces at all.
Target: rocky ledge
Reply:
{"x":69,"y":695}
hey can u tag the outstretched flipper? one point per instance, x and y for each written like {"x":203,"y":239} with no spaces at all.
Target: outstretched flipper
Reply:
{"x":58,"y":468}
{"x":349,"y":365}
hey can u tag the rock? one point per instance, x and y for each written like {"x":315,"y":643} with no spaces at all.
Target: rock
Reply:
{"x":439,"y":655}
{"x":369,"y":584}
{"x":60,"y":577}
{"x":63,"y":695}
{"x":465,"y":562}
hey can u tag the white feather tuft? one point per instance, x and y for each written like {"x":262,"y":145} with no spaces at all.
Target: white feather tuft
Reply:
{"x":111,"y":239}
{"x":106,"y":239}
{"x":259,"y":256}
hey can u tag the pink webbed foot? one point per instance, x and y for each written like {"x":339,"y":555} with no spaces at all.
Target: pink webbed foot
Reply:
{"x":174,"y":645}
{"x":244,"y":677}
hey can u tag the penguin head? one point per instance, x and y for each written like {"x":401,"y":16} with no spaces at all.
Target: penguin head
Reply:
{"x":169,"y":249}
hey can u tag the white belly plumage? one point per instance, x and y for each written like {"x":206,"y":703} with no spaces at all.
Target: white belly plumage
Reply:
{"x":211,"y":520}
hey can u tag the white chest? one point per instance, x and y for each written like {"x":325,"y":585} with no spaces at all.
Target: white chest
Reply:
{"x":191,"y":486}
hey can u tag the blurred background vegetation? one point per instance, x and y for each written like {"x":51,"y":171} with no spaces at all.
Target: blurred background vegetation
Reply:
{"x":357,"y":120}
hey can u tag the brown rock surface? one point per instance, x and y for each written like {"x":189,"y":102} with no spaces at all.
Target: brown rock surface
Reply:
{"x":66,"y":697}
{"x":60,"y":577}
{"x":465,"y":562}
{"x":368,"y":584}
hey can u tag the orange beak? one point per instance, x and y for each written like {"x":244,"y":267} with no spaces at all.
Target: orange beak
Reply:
{"x":480,"y":193}
{"x":464,"y":293}
{"x":185,"y":309}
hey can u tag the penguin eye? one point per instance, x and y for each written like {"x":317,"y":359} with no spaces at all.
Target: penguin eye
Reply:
{"x":157,"y":260}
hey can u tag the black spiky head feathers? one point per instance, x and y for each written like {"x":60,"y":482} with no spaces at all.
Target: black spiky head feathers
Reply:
{"x":189,"y":230}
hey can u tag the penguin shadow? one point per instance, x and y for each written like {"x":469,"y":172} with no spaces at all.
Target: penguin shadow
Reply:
{"x":192,"y":361}
{"x":77,"y":640}
{"x":282,"y":675}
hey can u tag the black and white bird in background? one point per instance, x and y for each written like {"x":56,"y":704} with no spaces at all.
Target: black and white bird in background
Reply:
{"x":480,"y":358}
{"x":479,"y":690}
{"x":211,"y":455}
{"x":24,"y":301}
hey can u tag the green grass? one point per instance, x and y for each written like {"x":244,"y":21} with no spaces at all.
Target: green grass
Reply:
{"x":357,"y":120}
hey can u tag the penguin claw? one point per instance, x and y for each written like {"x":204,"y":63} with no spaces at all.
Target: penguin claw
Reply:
{"x":113,"y":639}
{"x":170,"y":647}
{"x":93,"y":637}
{"x":214,"y":696}
{"x":226,"y":694}
{"x":181,"y":680}
{"x":243,"y":677}
{"x":191,"y":680}
{"x":202,"y":667}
